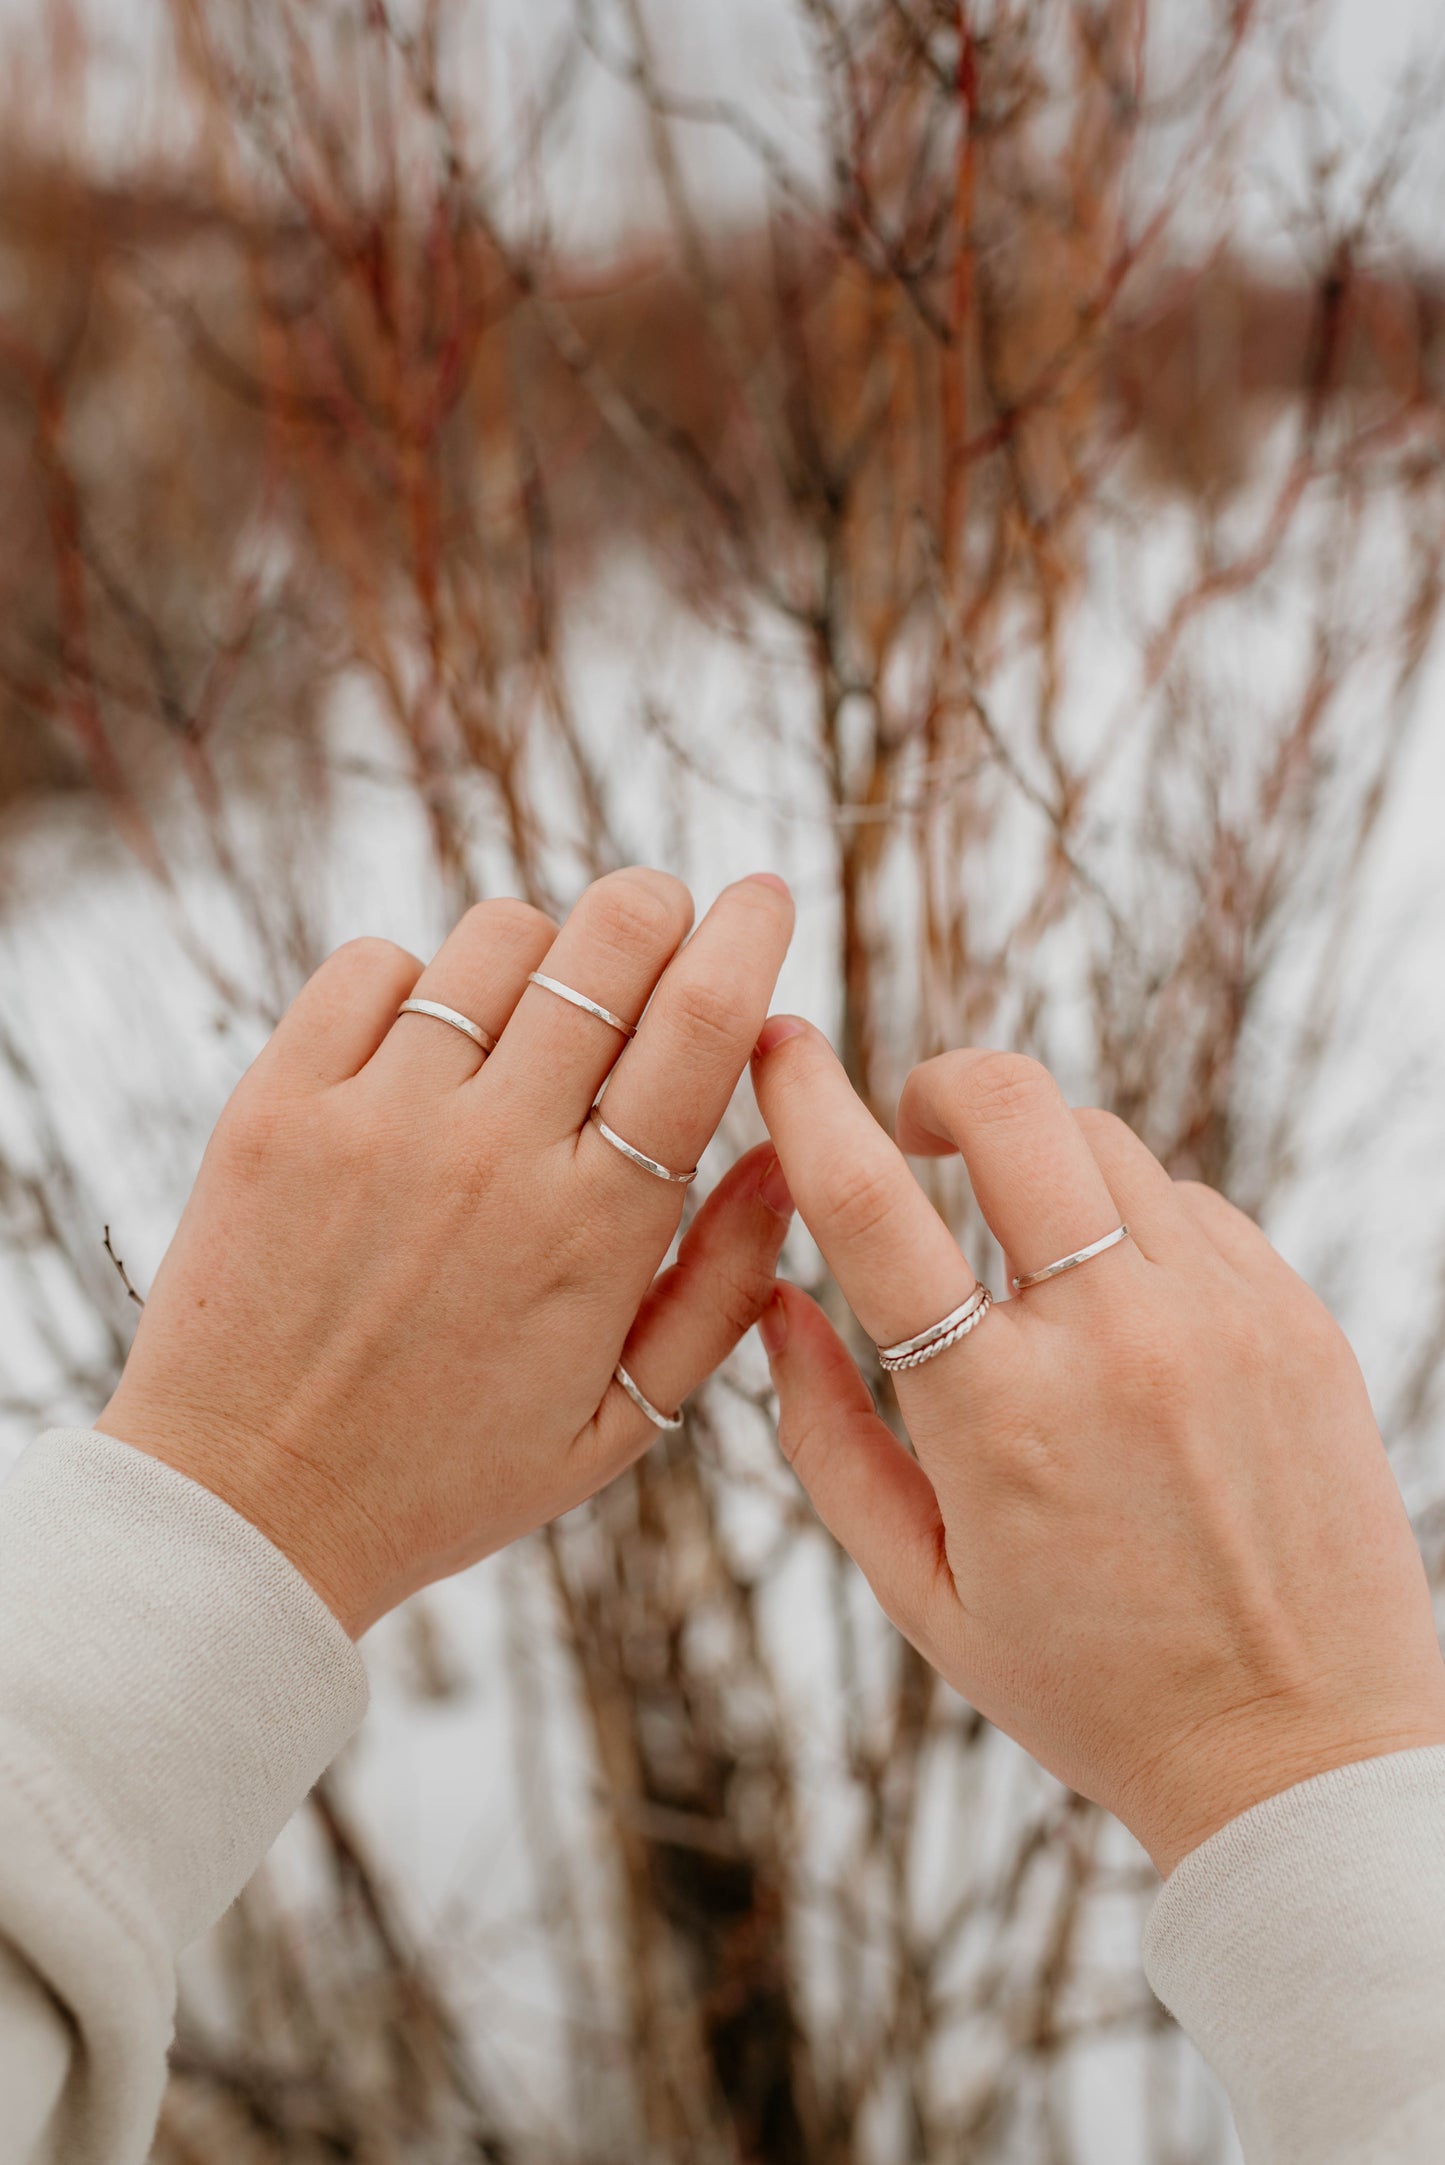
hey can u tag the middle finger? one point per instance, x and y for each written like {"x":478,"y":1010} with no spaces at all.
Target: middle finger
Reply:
{"x":553,"y":1058}
{"x":673,"y":1083}
{"x":1038,"y":1184}
{"x":899,"y":1267}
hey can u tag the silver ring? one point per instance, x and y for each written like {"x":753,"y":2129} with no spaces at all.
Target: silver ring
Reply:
{"x":939,"y":1336}
{"x":639,"y":1157}
{"x":645,"y":1405}
{"x":1070,"y":1262}
{"x":580,"y":999}
{"x":449,"y":1015}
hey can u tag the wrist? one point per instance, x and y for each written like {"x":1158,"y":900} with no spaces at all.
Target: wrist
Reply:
{"x":299,"y":1507}
{"x":1208,"y":1784}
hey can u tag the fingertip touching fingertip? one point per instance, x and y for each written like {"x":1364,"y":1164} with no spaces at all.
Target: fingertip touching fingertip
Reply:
{"x":776,"y":1031}
{"x":772,"y":1186}
{"x":773,"y":1325}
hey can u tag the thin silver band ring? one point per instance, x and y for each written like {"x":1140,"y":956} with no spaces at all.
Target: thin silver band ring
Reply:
{"x":1070,"y":1262}
{"x":580,"y":999}
{"x":645,"y":1405}
{"x":639,"y":1157}
{"x":946,"y":1332}
{"x":449,"y":1015}
{"x":905,"y":1346}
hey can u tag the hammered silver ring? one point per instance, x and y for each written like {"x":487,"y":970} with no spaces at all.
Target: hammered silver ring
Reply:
{"x":643,"y":1403}
{"x":574,"y":998}
{"x":453,"y":1020}
{"x":639,"y":1157}
{"x":1070,"y":1262}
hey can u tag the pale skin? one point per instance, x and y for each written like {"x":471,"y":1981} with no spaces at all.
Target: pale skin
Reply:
{"x":1146,"y":1525}
{"x":386,"y":1328}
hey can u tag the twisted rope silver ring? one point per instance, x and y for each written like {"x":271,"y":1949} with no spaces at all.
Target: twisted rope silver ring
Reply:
{"x":1070,"y":1262}
{"x":449,"y":1015}
{"x":580,"y":999}
{"x":645,"y":1405}
{"x":639,"y":1157}
{"x":939,"y":1336}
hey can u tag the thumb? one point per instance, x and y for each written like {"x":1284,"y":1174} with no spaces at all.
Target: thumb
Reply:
{"x":871,"y":1494}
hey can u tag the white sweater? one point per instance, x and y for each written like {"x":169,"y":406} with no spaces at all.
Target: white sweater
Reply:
{"x":170,"y":1688}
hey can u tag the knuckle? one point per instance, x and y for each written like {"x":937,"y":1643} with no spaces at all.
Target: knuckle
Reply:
{"x":1236,"y":1331}
{"x":800,"y":1436}
{"x":1006,"y":1086}
{"x":639,"y":909}
{"x":740,"y":1295}
{"x":1313,"y":1331}
{"x":1103,"y":1130}
{"x":375,"y":956}
{"x":708,"y":1015}
{"x":256,"y":1134}
{"x":510,"y":916}
{"x":860,"y":1201}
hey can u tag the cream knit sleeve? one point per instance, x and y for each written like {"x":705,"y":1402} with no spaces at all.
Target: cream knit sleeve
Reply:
{"x":170,"y":1688}
{"x":1303,"y":1949}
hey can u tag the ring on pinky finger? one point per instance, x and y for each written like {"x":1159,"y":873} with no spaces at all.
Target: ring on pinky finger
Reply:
{"x":644,"y":1404}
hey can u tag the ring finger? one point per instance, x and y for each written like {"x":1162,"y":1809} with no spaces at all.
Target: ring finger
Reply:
{"x":478,"y":973}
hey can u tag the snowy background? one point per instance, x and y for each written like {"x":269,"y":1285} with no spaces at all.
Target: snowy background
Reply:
{"x":480,"y":1794}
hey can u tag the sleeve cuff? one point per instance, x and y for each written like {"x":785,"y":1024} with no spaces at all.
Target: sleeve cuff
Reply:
{"x":1303,"y":1949}
{"x":182,"y":1680}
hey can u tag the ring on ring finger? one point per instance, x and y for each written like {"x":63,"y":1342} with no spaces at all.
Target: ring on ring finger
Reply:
{"x":639,"y":1157}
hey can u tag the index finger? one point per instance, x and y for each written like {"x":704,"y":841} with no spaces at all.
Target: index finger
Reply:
{"x":898,"y":1265}
{"x":673,"y":1083}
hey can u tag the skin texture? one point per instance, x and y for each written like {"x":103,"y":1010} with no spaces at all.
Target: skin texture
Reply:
{"x":1150,"y":1529}
{"x":386,"y":1328}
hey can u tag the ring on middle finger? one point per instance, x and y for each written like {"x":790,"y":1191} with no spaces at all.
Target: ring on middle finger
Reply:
{"x":639,"y":1157}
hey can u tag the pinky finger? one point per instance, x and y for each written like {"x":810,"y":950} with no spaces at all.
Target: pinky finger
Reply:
{"x":1237,"y":1238}
{"x":698,"y":1310}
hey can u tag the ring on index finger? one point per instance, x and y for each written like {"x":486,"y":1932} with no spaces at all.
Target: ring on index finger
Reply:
{"x":956,"y":1325}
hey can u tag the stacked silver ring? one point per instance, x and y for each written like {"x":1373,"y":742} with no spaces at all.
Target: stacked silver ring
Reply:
{"x":949,"y":1329}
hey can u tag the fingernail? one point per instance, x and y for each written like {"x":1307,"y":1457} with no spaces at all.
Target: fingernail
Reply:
{"x":771,"y":879}
{"x":773,"y":1188}
{"x":776,"y":1031}
{"x":773,"y":1327}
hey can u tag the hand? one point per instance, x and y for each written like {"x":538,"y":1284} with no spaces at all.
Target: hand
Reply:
{"x":386,"y":1328}
{"x":1150,"y":1529}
